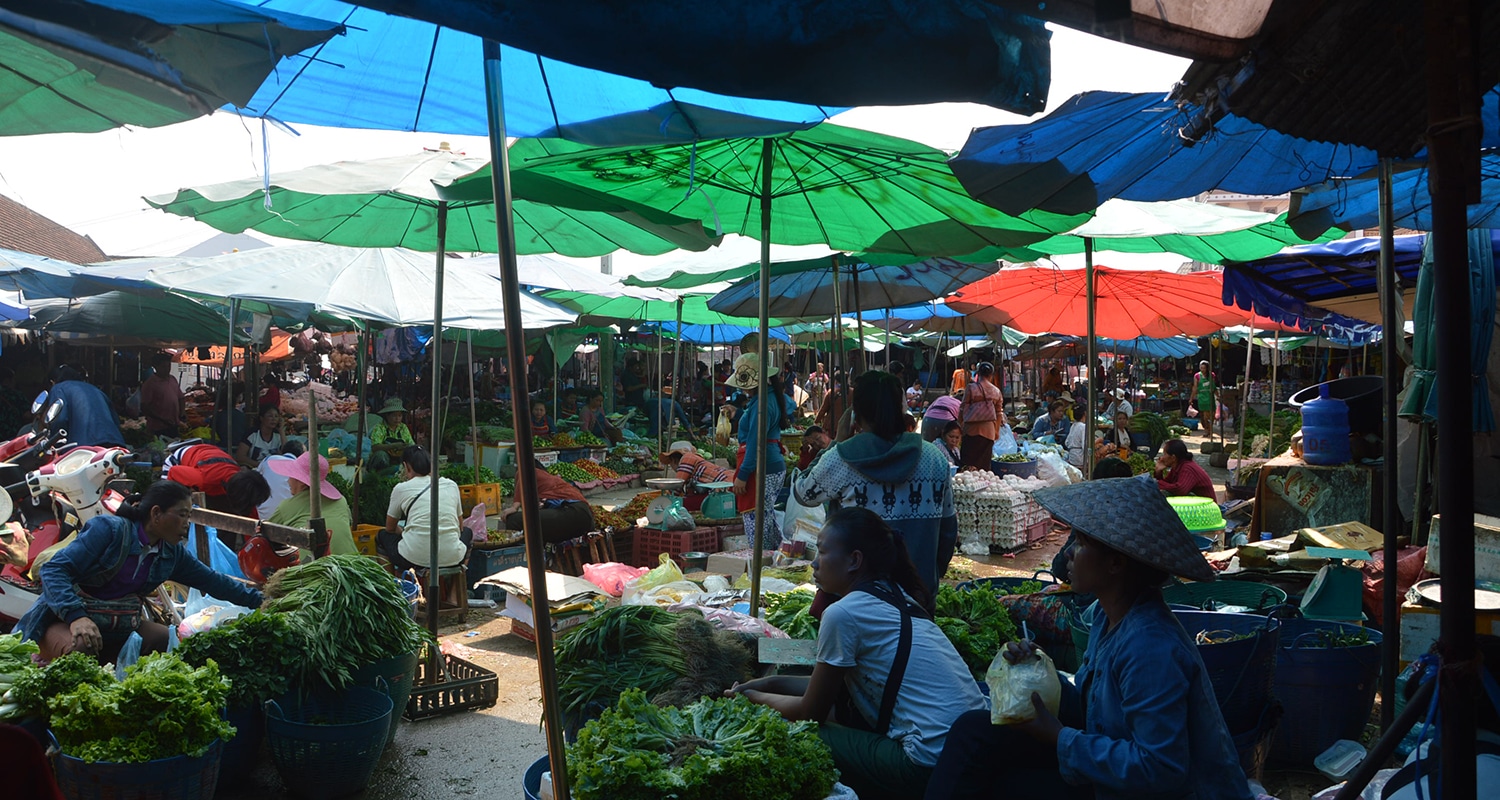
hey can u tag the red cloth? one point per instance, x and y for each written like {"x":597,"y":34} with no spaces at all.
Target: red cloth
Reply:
{"x":1411,"y":566}
{"x":205,"y":468}
{"x":1188,"y":478}
{"x":551,"y":487}
{"x":161,"y":402}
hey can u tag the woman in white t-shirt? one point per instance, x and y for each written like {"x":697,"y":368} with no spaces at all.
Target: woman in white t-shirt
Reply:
{"x":884,"y":747}
{"x":265,"y":440}
{"x":408,"y":546}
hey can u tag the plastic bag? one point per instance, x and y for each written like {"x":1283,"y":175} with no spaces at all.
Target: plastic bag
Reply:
{"x":678,"y":518}
{"x":220,"y":558}
{"x":201,"y":613}
{"x":666,"y":571}
{"x":130,"y":652}
{"x":1011,"y":687}
{"x":1005,"y":444}
{"x":724,"y":428}
{"x":664,"y":595}
{"x":1052,"y":469}
{"x":612,"y":576}
{"x":802,"y":523}
{"x":476,"y":524}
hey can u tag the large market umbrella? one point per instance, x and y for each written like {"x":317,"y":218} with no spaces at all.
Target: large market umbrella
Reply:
{"x":832,"y":52}
{"x":393,"y":202}
{"x":36,"y":276}
{"x":79,"y":66}
{"x":1422,"y":395}
{"x":128,"y":317}
{"x":543,"y":272}
{"x":806,"y":288}
{"x":392,"y":72}
{"x":1098,"y":146}
{"x":1355,"y":203}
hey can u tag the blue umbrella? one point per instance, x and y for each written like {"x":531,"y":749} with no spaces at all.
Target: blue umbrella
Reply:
{"x":715,"y":335}
{"x":833,"y":52}
{"x":806,"y":288}
{"x":1354,"y":204}
{"x":395,"y":73}
{"x":40,"y":276}
{"x":1104,"y":145}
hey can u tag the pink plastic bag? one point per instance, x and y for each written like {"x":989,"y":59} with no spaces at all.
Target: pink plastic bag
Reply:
{"x":476,"y":524}
{"x":612,"y":576}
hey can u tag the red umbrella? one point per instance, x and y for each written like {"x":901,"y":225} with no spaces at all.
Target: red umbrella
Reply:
{"x":1130,"y":303}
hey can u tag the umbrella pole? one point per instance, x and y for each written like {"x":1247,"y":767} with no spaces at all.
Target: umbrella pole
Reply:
{"x":474,"y":412}
{"x":677,"y":365}
{"x":859,"y":321}
{"x":229,"y":443}
{"x":359,"y":443}
{"x":1275,"y":362}
{"x":1239,"y":450}
{"x":837,"y":326}
{"x":1092,"y":355}
{"x":1389,"y":477}
{"x":661,"y":385}
{"x":536,"y":557}
{"x":762,"y":395}
{"x":436,"y":423}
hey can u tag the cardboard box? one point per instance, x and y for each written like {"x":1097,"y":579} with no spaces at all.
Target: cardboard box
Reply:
{"x":1344,"y":536}
{"x":721,"y":564}
{"x":1420,"y":628}
{"x":1486,"y":547}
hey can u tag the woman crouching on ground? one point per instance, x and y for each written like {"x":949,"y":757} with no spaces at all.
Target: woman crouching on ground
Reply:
{"x":1149,"y":726}
{"x":886,"y":675}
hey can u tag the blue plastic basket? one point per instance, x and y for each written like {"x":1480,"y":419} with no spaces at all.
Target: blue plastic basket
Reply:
{"x":531,"y":782}
{"x":336,"y":754}
{"x":1243,"y":671}
{"x":241,"y":752}
{"x":1328,"y":693}
{"x":180,"y":778}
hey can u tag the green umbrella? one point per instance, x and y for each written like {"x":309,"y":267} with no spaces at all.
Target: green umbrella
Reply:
{"x":130,"y":318}
{"x":694,"y":309}
{"x":93,"y":65}
{"x":852,"y":190}
{"x":392,"y":202}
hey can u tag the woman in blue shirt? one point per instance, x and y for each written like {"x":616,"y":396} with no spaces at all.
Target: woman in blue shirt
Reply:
{"x":767,"y":455}
{"x":1151,"y":727}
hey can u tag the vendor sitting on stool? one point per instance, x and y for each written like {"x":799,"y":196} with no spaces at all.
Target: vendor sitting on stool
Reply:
{"x":565,"y":514}
{"x":1149,"y":725}
{"x":409,"y":547}
{"x":390,"y":436}
{"x":1179,"y":475}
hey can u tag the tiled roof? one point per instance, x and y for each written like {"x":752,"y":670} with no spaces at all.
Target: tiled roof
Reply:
{"x":25,"y":230}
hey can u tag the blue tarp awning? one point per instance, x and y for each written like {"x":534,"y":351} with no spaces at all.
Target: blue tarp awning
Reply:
{"x":1355,"y":204}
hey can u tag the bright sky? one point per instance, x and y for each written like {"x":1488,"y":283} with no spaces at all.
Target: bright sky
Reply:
{"x":93,"y":183}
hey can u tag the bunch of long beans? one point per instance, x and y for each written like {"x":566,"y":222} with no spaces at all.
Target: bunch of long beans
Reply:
{"x":617,"y":649}
{"x":352,"y":614}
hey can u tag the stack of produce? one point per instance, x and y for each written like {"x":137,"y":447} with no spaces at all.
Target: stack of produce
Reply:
{"x":636,"y":508}
{"x":571,"y":473}
{"x":464,"y":475}
{"x":791,"y":613}
{"x":673,"y":658}
{"x":258,"y":653}
{"x":15,"y":661}
{"x":586,"y":439}
{"x":977,"y":624}
{"x":350,"y":613}
{"x":612,"y":519}
{"x":595,"y":469}
{"x":726,"y":747}
{"x":330,"y":409}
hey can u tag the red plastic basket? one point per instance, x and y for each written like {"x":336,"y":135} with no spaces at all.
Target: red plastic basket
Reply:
{"x":650,"y":543}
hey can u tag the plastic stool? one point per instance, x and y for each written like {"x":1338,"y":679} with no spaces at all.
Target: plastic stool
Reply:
{"x":453,"y":593}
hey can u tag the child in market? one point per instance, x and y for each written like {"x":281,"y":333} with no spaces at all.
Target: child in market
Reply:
{"x":541,"y":423}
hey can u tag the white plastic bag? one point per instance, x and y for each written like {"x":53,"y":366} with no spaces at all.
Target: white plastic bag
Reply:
{"x":802,"y":523}
{"x":130,"y":652}
{"x":1011,"y":687}
{"x":201,"y":613}
{"x":1051,"y":468}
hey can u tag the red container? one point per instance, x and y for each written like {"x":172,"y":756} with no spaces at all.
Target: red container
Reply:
{"x":650,"y":543}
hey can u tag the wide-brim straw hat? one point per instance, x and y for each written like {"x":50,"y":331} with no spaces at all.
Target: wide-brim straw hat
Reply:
{"x":1119,"y":394}
{"x":300,"y":469}
{"x":679,"y":447}
{"x":746,"y":373}
{"x":391,"y":406}
{"x":1132,"y":516}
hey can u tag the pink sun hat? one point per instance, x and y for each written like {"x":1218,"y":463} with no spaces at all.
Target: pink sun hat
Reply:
{"x":300,"y":470}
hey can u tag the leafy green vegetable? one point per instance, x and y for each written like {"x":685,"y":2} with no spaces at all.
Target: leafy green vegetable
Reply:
{"x":162,"y":709}
{"x":570,"y":473}
{"x":1140,"y":463}
{"x":463,"y":474}
{"x":726,"y":748}
{"x":374,"y":494}
{"x":350,"y":613}
{"x":1014,"y":458}
{"x":976,"y":622}
{"x":33,"y":688}
{"x":1151,"y":423}
{"x":791,"y":612}
{"x":258,"y":653}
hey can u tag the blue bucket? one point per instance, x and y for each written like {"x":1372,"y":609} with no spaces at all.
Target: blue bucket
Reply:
{"x":1328,"y":692}
{"x":531,"y":782}
{"x":412,"y":592}
{"x":1243,"y":671}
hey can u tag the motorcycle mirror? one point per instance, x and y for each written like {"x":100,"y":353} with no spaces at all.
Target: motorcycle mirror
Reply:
{"x":54,"y":409}
{"x":38,"y":403}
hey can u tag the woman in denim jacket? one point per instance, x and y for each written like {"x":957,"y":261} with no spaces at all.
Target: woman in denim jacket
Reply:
{"x":93,"y":589}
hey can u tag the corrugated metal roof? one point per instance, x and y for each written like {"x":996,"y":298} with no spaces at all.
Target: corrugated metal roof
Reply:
{"x":25,"y":230}
{"x":1347,"y":71}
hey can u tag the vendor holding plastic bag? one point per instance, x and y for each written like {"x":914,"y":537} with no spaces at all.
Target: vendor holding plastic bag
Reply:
{"x":1152,"y":726}
{"x":885,"y":672}
{"x":93,"y":589}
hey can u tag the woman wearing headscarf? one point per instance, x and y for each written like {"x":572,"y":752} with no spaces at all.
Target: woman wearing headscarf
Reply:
{"x":892,"y":472}
{"x":1149,"y":725}
{"x":92,"y":589}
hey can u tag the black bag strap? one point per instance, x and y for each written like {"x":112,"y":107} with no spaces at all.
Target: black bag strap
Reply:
{"x":410,"y":504}
{"x":885,"y":592}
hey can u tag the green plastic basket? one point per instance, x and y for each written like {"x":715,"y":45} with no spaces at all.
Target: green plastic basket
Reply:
{"x":1257,"y":597}
{"x":1199,"y":514}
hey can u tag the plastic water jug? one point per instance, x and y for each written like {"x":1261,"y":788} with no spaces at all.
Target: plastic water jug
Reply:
{"x":1325,"y":430}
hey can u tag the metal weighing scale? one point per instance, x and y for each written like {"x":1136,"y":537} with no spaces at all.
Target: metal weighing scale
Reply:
{"x":1335,"y":593}
{"x":671,"y":494}
{"x":719,"y":504}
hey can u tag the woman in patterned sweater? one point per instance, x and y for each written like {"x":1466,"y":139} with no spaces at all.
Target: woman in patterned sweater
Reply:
{"x":891,"y":472}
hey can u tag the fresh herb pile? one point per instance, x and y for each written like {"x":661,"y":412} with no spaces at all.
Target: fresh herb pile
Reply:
{"x":1288,"y":422}
{"x":976,"y":622}
{"x":1014,"y":458}
{"x":15,"y":662}
{"x":162,"y":709}
{"x":1140,"y":463}
{"x":712,"y":749}
{"x":350,"y":613}
{"x":673,"y":658}
{"x":257,"y":653}
{"x":374,"y":494}
{"x":1153,"y":424}
{"x":34,"y":687}
{"x":463,"y":474}
{"x":791,"y":612}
